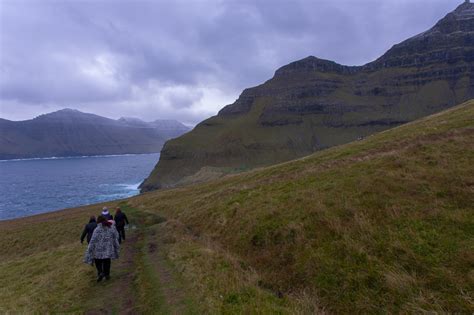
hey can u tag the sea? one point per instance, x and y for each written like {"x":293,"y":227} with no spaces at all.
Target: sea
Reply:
{"x":33,"y":186}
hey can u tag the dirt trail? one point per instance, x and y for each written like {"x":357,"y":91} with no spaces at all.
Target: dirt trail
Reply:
{"x":124,"y":285}
{"x":171,"y":288}
{"x":119,"y":296}
{"x":115,"y":296}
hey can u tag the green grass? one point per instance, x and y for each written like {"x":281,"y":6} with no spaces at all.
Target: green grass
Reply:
{"x":150,"y":297}
{"x":41,"y":265}
{"x":383,"y":225}
{"x":221,"y":283}
{"x":279,"y":127}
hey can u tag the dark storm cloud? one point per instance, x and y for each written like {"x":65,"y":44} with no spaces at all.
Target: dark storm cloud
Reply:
{"x":181,"y":59}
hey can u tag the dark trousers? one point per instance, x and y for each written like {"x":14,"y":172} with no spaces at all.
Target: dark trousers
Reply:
{"x":121,"y":232}
{"x":103,"y":266}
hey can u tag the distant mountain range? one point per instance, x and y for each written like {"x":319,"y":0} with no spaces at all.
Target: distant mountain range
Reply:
{"x":313,"y":104}
{"x":69,"y":132}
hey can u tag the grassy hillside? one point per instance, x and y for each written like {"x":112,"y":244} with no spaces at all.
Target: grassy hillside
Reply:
{"x":283,"y":125}
{"x":313,"y":104}
{"x":380,"y":225}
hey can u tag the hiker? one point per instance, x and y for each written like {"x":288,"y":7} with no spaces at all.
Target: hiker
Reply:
{"x":120,"y":221}
{"x":88,"y":230}
{"x":106,"y":214}
{"x":103,"y":247}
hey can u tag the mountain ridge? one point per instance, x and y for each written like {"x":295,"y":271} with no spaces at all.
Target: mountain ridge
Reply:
{"x":69,"y":132}
{"x":312,"y":104}
{"x":71,"y":112}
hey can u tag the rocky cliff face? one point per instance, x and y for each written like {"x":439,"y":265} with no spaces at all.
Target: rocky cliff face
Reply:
{"x":69,"y":132}
{"x":312,"y":104}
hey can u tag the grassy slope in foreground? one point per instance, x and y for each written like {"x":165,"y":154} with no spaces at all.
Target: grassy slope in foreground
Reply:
{"x":384,"y":224}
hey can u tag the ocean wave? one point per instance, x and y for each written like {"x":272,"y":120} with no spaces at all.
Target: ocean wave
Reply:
{"x":132,"y":187}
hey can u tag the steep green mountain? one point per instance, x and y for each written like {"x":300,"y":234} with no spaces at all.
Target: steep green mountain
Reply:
{"x":70,"y":132}
{"x":379,"y":226}
{"x":313,"y":104}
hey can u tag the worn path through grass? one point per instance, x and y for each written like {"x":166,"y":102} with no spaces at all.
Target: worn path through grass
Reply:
{"x":116,"y":295}
{"x":383,"y":225}
{"x":142,"y":281}
{"x":41,"y":268}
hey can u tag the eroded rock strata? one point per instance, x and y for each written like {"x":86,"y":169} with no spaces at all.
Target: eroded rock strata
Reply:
{"x":312,"y":104}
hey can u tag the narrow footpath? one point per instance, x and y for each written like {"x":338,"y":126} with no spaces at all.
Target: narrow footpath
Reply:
{"x":142,"y":281}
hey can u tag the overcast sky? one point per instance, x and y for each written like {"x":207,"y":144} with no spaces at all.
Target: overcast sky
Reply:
{"x":181,"y":59}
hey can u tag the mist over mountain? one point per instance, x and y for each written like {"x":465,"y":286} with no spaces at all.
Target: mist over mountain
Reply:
{"x":313,"y":104}
{"x":168,"y":128}
{"x":69,"y":132}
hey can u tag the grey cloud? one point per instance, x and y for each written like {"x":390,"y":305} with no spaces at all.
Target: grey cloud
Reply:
{"x":110,"y":56}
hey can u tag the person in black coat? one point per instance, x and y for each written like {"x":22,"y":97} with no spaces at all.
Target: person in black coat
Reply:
{"x":120,"y":221}
{"x":89,"y":229}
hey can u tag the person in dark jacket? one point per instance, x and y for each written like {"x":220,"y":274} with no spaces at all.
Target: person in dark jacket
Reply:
{"x":103,"y":247}
{"x":88,"y":230}
{"x":120,"y":221}
{"x":106,"y":214}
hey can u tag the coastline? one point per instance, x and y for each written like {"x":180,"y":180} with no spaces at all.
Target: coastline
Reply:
{"x":43,"y":185}
{"x":99,"y":205}
{"x":76,"y":157}
{"x":62,"y":213}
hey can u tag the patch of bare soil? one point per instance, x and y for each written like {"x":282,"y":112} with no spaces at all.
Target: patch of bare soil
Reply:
{"x":116,"y":295}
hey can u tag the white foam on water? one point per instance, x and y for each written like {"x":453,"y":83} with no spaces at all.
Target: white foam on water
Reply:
{"x":132,"y":187}
{"x":125,"y":191}
{"x":108,"y":180}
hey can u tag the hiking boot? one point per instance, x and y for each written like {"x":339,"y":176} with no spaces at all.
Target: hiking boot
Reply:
{"x":100,"y":277}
